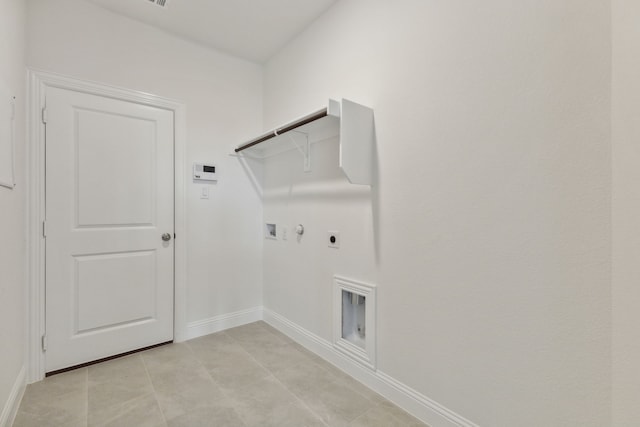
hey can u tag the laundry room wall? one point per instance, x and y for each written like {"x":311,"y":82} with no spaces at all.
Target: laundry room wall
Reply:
{"x":222,"y":95}
{"x":13,"y":214}
{"x":487,"y":229}
{"x":626,"y":213}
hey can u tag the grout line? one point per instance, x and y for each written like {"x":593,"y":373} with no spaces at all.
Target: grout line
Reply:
{"x":341,"y":376}
{"x":338,"y":380}
{"x":86,"y":403}
{"x":335,"y":377}
{"x":120,"y":405}
{"x":200,"y":361}
{"x":301,"y":401}
{"x":321,"y":362}
{"x":222,"y":390}
{"x":237,"y":341}
{"x":195,"y":356}
{"x":280,"y":382}
{"x":193,"y":353}
{"x":155,"y":394}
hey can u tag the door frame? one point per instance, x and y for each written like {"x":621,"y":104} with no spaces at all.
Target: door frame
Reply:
{"x":38,"y":82}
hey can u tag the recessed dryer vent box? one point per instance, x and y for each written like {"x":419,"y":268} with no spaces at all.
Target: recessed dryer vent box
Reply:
{"x":355,"y":320}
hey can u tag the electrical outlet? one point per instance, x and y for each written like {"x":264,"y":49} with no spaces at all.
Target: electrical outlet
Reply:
{"x":285,"y":234}
{"x":333,"y":238}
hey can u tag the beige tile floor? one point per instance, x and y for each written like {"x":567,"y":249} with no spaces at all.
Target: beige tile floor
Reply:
{"x":243,"y":377}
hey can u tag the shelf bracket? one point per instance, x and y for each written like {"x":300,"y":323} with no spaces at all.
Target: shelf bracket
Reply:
{"x":304,"y":148}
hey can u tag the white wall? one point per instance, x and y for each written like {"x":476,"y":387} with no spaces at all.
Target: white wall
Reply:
{"x":12,"y":206}
{"x":626,"y":213}
{"x":488,"y":227}
{"x":223,"y":99}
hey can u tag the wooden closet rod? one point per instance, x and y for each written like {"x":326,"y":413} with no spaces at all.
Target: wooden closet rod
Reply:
{"x":300,"y":122}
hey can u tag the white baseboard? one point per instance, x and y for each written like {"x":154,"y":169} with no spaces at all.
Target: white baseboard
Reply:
{"x":400,"y":394}
{"x":13,"y":403}
{"x":222,"y":322}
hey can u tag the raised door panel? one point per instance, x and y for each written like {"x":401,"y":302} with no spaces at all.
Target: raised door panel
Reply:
{"x":109,"y":189}
{"x":116,"y":172}
{"x":114,"y":290}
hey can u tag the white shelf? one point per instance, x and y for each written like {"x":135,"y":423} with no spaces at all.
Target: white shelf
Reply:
{"x":352,"y":122}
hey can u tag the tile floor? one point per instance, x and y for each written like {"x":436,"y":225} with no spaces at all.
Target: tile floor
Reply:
{"x":243,"y":377}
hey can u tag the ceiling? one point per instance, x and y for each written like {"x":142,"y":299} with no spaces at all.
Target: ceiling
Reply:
{"x":251,"y":29}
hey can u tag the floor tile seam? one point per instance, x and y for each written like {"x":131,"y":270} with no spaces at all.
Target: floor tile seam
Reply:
{"x":235,"y":411}
{"x":161,"y":366}
{"x":242,"y":419}
{"x":213,"y":381}
{"x":222,"y":389}
{"x":253,"y":383}
{"x":276,"y":333}
{"x":120,"y":405}
{"x":255,"y":360}
{"x":198,"y":359}
{"x":207,"y":335}
{"x":304,"y":404}
{"x":155,"y":393}
{"x":115,"y":380}
{"x":265,"y":330}
{"x":270,"y":372}
{"x":358,"y":415}
{"x":216,"y":333}
{"x":397,"y":418}
{"x":300,"y":400}
{"x":58,"y":392}
{"x":86,"y":397}
{"x":293,"y":402}
{"x":339,"y":380}
{"x":234,"y":406}
{"x":334,"y":380}
{"x":284,"y":344}
{"x":346,"y":384}
{"x":247,"y":353}
{"x":224,"y":392}
{"x":404,"y":424}
{"x":242,"y":347}
{"x":42,"y":404}
{"x":266,"y":368}
{"x":47,"y":411}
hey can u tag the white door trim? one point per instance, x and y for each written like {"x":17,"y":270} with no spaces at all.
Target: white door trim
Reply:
{"x":38,"y":82}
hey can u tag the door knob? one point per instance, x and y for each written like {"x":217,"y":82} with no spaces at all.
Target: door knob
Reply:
{"x":166,"y":237}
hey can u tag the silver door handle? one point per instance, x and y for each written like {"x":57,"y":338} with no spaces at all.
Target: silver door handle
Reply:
{"x":166,"y":237}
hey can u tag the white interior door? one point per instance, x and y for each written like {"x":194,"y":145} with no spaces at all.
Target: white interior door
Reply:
{"x":109,"y":200}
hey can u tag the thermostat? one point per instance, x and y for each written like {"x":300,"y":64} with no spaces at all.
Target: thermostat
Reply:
{"x":202,"y":172}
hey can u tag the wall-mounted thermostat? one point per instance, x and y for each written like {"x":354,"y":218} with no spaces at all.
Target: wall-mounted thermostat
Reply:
{"x":202,"y":172}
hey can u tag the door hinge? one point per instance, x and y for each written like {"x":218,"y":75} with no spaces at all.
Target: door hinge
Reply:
{"x":44,"y":115}
{"x":44,"y":343}
{"x":44,"y":229}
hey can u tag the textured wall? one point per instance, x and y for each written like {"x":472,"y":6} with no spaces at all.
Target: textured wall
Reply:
{"x":12,"y":205}
{"x":488,"y":227}
{"x":626,"y":213}
{"x":223,"y":99}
